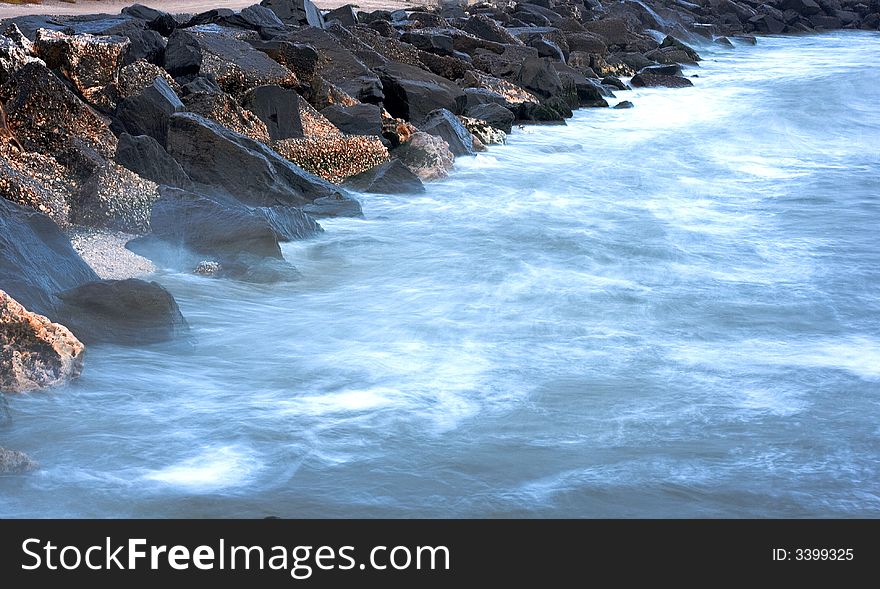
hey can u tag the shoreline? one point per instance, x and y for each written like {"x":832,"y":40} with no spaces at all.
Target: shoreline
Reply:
{"x":202,"y":144}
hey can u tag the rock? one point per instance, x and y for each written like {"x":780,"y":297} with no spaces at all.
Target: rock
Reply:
{"x":128,"y":312}
{"x":296,"y":12}
{"x":144,"y":43}
{"x":587,"y":92}
{"x":338,"y":65}
{"x":223,"y":109}
{"x":201,"y":84}
{"x":392,"y":177}
{"x":5,"y":412}
{"x":397,"y":131}
{"x":140,"y":75}
{"x":672,"y":69}
{"x":257,"y":18}
{"x":538,"y":75}
{"x":36,"y":259}
{"x":144,"y":156}
{"x":483,"y":132}
{"x":159,"y":21}
{"x":335,"y":157}
{"x":46,"y":117}
{"x":654,"y":80}
{"x":148,"y":112}
{"x":586,"y":43}
{"x":670,"y":42}
{"x":767,"y":24}
{"x":495,"y":115}
{"x":412,"y":93}
{"x":90,"y":62}
{"x":427,"y":156}
{"x":446,"y":125}
{"x":617,"y":36}
{"x":614,"y":82}
{"x":36,"y":181}
{"x":359,"y":119}
{"x":624,"y":104}
{"x":430,"y":41}
{"x":547,"y":48}
{"x":501,"y":91}
{"x":115,"y":198}
{"x":347,"y":15}
{"x":15,"y":55}
{"x":486,"y":28}
{"x":215,"y":15}
{"x":234,"y":64}
{"x":804,"y":7}
{"x":538,"y":113}
{"x":34,"y":352}
{"x":278,"y":108}
{"x":255,"y":174}
{"x":723,"y":41}
{"x":15,"y":462}
{"x":633,"y":61}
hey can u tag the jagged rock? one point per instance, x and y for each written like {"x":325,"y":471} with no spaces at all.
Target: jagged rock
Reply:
{"x":144,"y":156}
{"x":36,"y":258}
{"x":493,"y":114}
{"x":617,"y":36}
{"x":201,"y":84}
{"x":115,"y":198}
{"x":336,"y":157}
{"x":234,"y":64}
{"x":144,"y":44}
{"x":586,"y":43}
{"x":431,"y":41}
{"x":539,"y":76}
{"x":412,"y":93}
{"x":256,"y":175}
{"x":427,"y":156}
{"x":673,"y":51}
{"x":37,"y":181}
{"x":140,"y":75}
{"x":359,"y":119}
{"x":15,"y":55}
{"x":653,"y":80}
{"x":257,"y":18}
{"x":614,"y":82}
{"x":338,"y":65}
{"x":34,"y":352}
{"x":222,"y":108}
{"x":624,"y":104}
{"x":392,"y":177}
{"x":278,"y":108}
{"x":671,"y":69}
{"x":586,"y":92}
{"x":15,"y":462}
{"x":347,"y":15}
{"x":208,"y":17}
{"x":483,"y":132}
{"x":90,"y":62}
{"x":446,"y":125}
{"x":804,"y":7}
{"x":128,"y":312}
{"x":296,"y":12}
{"x":397,"y":131}
{"x":48,"y":118}
{"x":148,"y":112}
{"x":509,"y":93}
{"x":159,"y":21}
{"x":486,"y":28}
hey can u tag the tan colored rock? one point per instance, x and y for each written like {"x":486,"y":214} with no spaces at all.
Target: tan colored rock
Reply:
{"x":483,"y":131}
{"x":15,"y":462}
{"x":90,"y":62}
{"x":223,"y":109}
{"x":334,"y":157}
{"x":35,"y":180}
{"x":427,"y":156}
{"x":34,"y":352}
{"x":137,"y":76}
{"x":115,"y":198}
{"x":512,"y":93}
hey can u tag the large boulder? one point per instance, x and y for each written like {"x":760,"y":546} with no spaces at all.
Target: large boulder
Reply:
{"x":225,"y":110}
{"x":334,"y":157}
{"x":485,"y":28}
{"x":278,"y":108}
{"x":157,"y":20}
{"x":346,"y":15}
{"x":802,"y":7}
{"x":15,"y":54}
{"x":144,"y":156}
{"x":358,"y":119}
{"x":128,"y":312}
{"x":34,"y":352}
{"x":446,"y":125}
{"x":426,"y":155}
{"x":136,"y":77}
{"x":255,"y":174}
{"x":411,"y":93}
{"x":494,"y":114}
{"x":539,"y":76}
{"x":295,"y":12}
{"x":37,"y":181}
{"x":233,"y":63}
{"x":148,"y":112}
{"x":643,"y":80}
{"x":36,"y":259}
{"x":90,"y":62}
{"x":392,"y":177}
{"x":48,"y":118}
{"x":617,"y":36}
{"x":115,"y":198}
{"x":257,"y":18}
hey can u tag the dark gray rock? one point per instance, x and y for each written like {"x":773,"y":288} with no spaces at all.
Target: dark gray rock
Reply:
{"x":496,"y":115}
{"x":654,"y":80}
{"x":144,"y":156}
{"x":278,"y":108}
{"x":201,"y":85}
{"x":429,"y":41}
{"x":614,"y":82}
{"x":411,"y":93}
{"x":486,"y":28}
{"x":442,"y":123}
{"x":587,"y":91}
{"x":257,"y":18}
{"x":359,"y":119}
{"x":478,"y":96}
{"x":804,"y":7}
{"x":670,"y":69}
{"x":296,"y":12}
{"x":334,"y":206}
{"x":128,"y":312}
{"x":392,"y":177}
{"x":159,"y":21}
{"x":538,"y":75}
{"x":215,"y":156}
{"x":148,"y":112}
{"x":347,"y":15}
{"x":209,"y":17}
{"x":547,"y":48}
{"x":36,"y":259}
{"x":624,"y":104}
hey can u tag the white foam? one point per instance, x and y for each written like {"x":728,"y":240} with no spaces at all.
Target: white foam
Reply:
{"x":212,"y":469}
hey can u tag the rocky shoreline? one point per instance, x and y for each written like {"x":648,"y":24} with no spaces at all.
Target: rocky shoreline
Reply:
{"x":201,"y":142}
